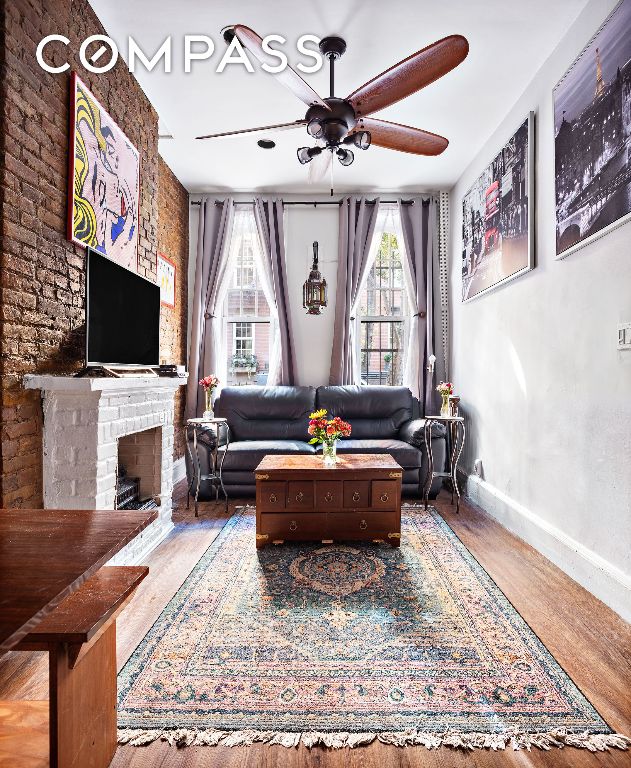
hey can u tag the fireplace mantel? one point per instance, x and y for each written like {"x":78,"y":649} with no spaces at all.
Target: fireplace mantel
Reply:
{"x":84,"y":418}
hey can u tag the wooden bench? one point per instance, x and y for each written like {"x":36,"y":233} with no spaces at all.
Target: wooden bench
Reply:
{"x":80,"y":637}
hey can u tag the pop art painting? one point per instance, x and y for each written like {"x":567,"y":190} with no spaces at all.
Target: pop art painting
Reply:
{"x":104,"y":177}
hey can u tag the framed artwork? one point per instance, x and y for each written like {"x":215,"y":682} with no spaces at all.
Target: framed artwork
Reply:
{"x":103,"y":181}
{"x":166,"y":280}
{"x":592,"y":141}
{"x":498,"y":217}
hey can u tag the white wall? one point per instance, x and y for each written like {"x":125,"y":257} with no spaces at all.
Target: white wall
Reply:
{"x":313,"y":334}
{"x":546,"y":393}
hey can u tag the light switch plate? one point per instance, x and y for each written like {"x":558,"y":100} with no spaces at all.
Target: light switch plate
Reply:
{"x":624,"y":336}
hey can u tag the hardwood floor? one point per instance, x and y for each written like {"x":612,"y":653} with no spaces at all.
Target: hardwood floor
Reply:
{"x":588,"y":639}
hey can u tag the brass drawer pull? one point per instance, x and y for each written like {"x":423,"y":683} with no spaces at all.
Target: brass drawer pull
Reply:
{"x":300,"y":496}
{"x":356,"y":496}
{"x":273,"y":498}
{"x":293,"y":525}
{"x":328,"y":497}
{"x":363,"y":525}
{"x":384,"y":497}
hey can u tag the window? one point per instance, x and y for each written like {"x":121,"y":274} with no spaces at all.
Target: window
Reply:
{"x":246,"y":309}
{"x":383,"y":310}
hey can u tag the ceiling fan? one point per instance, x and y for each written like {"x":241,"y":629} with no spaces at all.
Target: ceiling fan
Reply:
{"x":339,"y":124}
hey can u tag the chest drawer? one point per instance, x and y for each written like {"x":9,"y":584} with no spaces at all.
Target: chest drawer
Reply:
{"x":328,"y":495}
{"x":350,"y":525}
{"x":356,"y":494}
{"x":300,"y":495}
{"x":385,"y":494}
{"x":301,"y":526}
{"x":272,"y":496}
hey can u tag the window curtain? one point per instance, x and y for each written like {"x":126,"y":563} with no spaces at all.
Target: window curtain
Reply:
{"x":419,"y":229}
{"x":357,"y":226}
{"x":269,"y":221}
{"x":211,"y":262}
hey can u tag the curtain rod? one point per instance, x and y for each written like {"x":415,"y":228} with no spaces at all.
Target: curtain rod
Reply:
{"x":314,"y":203}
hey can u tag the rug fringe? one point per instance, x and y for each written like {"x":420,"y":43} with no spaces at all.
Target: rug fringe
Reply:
{"x":183,"y":737}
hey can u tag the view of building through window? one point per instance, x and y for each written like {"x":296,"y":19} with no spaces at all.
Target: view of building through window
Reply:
{"x":383,"y":314}
{"x":246,"y":311}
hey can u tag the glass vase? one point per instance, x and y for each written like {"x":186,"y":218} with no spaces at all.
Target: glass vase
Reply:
{"x":329,"y":453}
{"x":444,"y":405}
{"x":208,"y":409}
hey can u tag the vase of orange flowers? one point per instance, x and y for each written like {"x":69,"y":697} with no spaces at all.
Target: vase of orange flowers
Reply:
{"x":209,"y":384}
{"x":444,"y":389}
{"x":327,"y":432}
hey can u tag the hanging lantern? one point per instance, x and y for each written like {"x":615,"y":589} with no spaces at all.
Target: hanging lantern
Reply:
{"x":314,"y":297}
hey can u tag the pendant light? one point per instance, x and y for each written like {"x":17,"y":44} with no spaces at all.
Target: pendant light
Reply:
{"x":314,"y":292}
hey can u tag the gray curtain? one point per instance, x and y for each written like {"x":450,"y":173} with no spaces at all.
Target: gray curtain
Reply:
{"x":357,"y":225}
{"x":213,"y":240}
{"x":269,"y":221}
{"x":419,"y":224}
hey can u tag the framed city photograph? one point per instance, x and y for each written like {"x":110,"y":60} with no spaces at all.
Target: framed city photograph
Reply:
{"x":592,"y":144}
{"x":166,"y":276}
{"x":498,"y":217}
{"x":103,"y":181}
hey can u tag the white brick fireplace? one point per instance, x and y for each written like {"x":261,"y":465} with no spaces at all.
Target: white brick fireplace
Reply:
{"x":92,"y":424}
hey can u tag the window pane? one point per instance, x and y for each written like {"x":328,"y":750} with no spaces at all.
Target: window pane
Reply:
{"x":382,"y":339}
{"x":382,"y":347}
{"x":247,"y":342}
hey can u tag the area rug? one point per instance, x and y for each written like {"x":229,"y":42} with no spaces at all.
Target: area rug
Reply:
{"x":338,"y":645}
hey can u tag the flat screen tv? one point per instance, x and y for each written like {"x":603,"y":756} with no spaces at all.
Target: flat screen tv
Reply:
{"x":122,"y":315}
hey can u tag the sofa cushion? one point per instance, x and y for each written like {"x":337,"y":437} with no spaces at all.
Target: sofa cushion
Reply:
{"x":246,"y":455}
{"x":373,"y":412}
{"x":266,"y":413}
{"x":404,"y":454}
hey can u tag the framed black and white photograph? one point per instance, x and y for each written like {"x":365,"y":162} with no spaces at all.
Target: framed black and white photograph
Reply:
{"x":592,"y":121}
{"x":497,"y":217}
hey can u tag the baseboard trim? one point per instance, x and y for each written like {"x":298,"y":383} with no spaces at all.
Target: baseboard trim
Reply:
{"x":179,"y":470}
{"x":600,"y":577}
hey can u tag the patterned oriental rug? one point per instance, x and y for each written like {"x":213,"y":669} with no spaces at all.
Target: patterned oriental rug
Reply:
{"x":342,"y":644}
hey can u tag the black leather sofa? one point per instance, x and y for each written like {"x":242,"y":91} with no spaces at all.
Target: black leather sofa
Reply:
{"x":274,"y":420}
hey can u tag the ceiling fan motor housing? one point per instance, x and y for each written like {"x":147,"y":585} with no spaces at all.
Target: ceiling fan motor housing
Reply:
{"x":336,"y":122}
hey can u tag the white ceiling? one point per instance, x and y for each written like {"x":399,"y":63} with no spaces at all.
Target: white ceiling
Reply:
{"x":509,"y":40}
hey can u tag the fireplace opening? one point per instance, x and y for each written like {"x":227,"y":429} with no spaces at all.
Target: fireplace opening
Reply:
{"x":139,"y":472}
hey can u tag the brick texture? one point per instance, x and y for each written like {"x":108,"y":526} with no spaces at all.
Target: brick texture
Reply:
{"x":42,"y":300}
{"x":173,"y":209}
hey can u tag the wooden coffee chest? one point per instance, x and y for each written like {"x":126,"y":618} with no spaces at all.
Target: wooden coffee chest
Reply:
{"x":298,"y":498}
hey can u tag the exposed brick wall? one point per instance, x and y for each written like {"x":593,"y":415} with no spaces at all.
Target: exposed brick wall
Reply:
{"x":43,"y":275}
{"x":173,"y":208}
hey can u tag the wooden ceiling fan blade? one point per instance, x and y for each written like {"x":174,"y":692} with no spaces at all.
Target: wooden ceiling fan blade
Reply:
{"x":288,"y":77}
{"x":402,"y":138}
{"x":275,"y":127}
{"x":410,"y":75}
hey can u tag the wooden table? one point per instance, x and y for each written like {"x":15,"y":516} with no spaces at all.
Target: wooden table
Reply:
{"x":45,"y":554}
{"x":299,"y":498}
{"x":56,"y":597}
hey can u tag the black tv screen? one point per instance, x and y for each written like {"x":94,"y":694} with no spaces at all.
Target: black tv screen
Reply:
{"x":122,"y":315}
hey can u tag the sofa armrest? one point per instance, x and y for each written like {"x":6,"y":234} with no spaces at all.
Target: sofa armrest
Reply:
{"x":413,"y":432}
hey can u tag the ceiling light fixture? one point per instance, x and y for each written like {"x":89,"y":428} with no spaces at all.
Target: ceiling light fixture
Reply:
{"x":345,"y":156}
{"x":306,"y":154}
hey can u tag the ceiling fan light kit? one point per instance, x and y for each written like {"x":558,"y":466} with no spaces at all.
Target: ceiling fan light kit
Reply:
{"x":337,"y":123}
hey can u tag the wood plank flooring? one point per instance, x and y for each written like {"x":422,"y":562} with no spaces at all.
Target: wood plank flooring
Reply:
{"x":588,"y":639}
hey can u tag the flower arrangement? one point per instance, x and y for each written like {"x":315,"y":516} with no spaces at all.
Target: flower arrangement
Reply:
{"x":209,"y":384}
{"x":444,"y":389}
{"x":327,"y":431}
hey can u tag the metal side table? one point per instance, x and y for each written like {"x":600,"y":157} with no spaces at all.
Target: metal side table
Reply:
{"x":456,"y":433}
{"x":218,"y":426}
